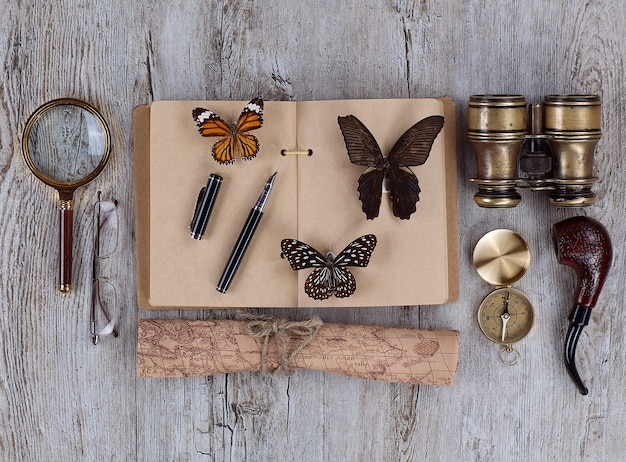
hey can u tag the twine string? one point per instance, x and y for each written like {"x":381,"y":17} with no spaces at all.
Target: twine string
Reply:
{"x":282,"y":330}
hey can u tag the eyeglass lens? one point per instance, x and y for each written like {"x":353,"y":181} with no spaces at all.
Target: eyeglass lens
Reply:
{"x":105,"y":222}
{"x":104,"y":306}
{"x":104,"y":297}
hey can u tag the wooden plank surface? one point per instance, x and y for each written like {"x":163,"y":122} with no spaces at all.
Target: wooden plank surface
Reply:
{"x":63,"y":398}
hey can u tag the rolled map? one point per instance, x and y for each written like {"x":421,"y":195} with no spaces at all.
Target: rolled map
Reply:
{"x":185,"y":348}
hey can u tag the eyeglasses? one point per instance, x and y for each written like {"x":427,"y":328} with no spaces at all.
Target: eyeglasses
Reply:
{"x":103,"y":296}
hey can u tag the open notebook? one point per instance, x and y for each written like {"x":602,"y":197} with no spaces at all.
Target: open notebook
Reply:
{"x":314,"y":200}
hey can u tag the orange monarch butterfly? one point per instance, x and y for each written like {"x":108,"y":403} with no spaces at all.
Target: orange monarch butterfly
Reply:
{"x":235,"y":139}
{"x":412,"y":149}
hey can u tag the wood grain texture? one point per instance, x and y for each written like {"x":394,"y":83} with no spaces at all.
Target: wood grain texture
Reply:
{"x":64,"y":398}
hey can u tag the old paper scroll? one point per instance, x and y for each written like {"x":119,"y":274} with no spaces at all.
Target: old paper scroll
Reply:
{"x":183,"y":348}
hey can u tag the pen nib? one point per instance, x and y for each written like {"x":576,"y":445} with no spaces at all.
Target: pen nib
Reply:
{"x":271,"y":179}
{"x":262,"y":200}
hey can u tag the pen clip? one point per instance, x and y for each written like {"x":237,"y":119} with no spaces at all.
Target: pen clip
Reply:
{"x":197,"y":209}
{"x":204,"y":206}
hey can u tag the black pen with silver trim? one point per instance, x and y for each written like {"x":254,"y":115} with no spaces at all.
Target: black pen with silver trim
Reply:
{"x":243,"y":241}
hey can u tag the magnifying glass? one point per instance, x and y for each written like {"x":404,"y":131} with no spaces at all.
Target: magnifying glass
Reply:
{"x":66,"y":144}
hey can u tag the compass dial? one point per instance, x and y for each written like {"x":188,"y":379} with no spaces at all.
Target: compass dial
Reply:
{"x":505,"y":316}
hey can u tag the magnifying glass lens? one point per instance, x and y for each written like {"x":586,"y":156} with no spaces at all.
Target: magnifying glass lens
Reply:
{"x":66,"y":144}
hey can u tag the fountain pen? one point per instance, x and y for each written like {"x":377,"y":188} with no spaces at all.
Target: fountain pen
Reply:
{"x":243,"y":241}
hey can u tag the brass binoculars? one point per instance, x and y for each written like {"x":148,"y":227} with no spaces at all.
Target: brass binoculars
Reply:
{"x":551,"y":144}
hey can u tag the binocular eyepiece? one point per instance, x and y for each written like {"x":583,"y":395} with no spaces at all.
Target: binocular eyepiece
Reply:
{"x":551,"y":143}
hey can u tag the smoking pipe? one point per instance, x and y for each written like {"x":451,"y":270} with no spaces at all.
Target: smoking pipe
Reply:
{"x":583,"y":244}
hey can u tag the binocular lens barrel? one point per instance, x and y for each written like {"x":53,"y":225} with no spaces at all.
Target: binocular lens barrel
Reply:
{"x":498,"y":130}
{"x":572,"y":128}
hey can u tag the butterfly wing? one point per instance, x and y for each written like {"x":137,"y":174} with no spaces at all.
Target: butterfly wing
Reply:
{"x":318,"y":284}
{"x":223,"y":150}
{"x":209,"y":123}
{"x":358,"y":252}
{"x":327,"y":281}
{"x":360,"y":143}
{"x":301,"y":255}
{"x":370,"y":188}
{"x":246,"y":145}
{"x":364,"y":150}
{"x":342,"y":282}
{"x":251,"y":118}
{"x":413,"y":147}
{"x":404,"y":192}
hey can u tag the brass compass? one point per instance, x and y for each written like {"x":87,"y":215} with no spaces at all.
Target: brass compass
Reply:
{"x":501,"y":257}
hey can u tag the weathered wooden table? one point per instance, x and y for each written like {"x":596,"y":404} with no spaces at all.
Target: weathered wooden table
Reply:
{"x":62,"y":398}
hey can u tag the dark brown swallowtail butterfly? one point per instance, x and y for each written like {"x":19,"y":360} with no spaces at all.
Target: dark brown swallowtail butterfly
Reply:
{"x":411,"y":149}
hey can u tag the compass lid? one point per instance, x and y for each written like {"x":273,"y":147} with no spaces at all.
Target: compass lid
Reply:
{"x":501,"y":257}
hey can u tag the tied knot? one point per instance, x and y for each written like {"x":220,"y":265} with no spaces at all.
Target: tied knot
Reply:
{"x":283,"y":331}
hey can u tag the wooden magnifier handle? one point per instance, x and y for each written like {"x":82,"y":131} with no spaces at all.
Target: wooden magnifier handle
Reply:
{"x":66,"y":220}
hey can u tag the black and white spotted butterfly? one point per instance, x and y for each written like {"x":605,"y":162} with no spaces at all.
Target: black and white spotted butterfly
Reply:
{"x":331,"y":275}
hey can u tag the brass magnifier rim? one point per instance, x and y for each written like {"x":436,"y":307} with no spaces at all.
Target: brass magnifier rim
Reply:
{"x":65,"y":186}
